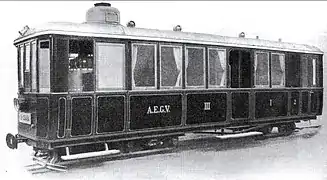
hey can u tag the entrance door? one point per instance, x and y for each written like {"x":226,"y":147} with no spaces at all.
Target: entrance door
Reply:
{"x":240,"y":63}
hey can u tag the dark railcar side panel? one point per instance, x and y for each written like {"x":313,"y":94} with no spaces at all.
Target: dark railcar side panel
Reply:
{"x":154,"y":111}
{"x":42,"y":110}
{"x":295,"y":103}
{"x":60,"y":65}
{"x":81,"y":116}
{"x":61,"y":117}
{"x":321,"y":101}
{"x":110,"y":114}
{"x":240,"y":105}
{"x":271,"y":104}
{"x":305,"y":102}
{"x":206,"y":108}
{"x":313,"y":103}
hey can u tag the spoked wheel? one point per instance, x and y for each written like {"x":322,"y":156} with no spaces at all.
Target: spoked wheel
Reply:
{"x":286,"y":129}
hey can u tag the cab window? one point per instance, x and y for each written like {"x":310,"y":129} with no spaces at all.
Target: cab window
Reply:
{"x":110,"y":59}
{"x":44,"y":66}
{"x":80,"y":72}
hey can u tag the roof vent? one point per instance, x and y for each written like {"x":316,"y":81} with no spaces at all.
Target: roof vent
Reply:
{"x":178,"y":28}
{"x":130,"y":24}
{"x":241,"y":35}
{"x":103,"y":13}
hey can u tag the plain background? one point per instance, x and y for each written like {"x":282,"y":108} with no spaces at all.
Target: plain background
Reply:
{"x":298,"y":22}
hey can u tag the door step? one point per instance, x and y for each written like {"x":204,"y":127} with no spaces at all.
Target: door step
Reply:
{"x":239,"y":135}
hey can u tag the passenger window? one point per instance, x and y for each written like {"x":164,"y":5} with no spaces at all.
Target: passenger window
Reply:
{"x":194,"y":64}
{"x":261,"y":68}
{"x":144,"y":65}
{"x":80,"y":75}
{"x":110,"y":66}
{"x":170,"y":66}
{"x":44,"y":66}
{"x":217,"y":67}
{"x":33,"y":67}
{"x":277,"y":70}
{"x":309,"y":71}
{"x":314,"y":72}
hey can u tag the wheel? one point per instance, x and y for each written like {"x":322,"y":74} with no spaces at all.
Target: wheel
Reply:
{"x":266,"y":129}
{"x":286,"y":129}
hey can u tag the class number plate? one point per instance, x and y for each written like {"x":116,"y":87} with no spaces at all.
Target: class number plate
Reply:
{"x":24,"y":118}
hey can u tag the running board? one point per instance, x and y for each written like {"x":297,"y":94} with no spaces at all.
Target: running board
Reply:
{"x":90,"y":155}
{"x":239,"y":135}
{"x":308,"y":127}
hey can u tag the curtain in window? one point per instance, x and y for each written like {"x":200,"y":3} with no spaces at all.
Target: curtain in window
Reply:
{"x":178,"y":60}
{"x":282,"y":66}
{"x":313,"y":72}
{"x":222,"y":59}
{"x":134,"y":59}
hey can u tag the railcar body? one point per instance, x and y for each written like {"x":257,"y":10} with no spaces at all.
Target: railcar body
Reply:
{"x":81,"y":85}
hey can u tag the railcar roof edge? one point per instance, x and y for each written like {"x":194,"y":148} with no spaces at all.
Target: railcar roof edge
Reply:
{"x":119,"y":31}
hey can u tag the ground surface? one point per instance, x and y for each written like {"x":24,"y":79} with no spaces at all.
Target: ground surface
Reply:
{"x":299,"y":156}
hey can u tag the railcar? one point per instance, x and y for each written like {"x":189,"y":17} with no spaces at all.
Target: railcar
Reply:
{"x":99,"y":87}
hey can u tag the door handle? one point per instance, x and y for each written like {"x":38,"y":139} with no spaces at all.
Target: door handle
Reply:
{"x":270,"y":102}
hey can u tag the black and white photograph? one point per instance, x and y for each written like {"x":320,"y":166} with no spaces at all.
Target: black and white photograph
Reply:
{"x":167,"y":90}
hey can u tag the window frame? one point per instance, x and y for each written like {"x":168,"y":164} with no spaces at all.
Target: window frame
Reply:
{"x":204,"y":66}
{"x":87,"y":69}
{"x":21,"y":55}
{"x":42,"y":89}
{"x":155,"y":66}
{"x":95,"y":66}
{"x":284,"y":70}
{"x":226,"y":66}
{"x":160,"y":60}
{"x":314,"y":71}
{"x":35,"y":55}
{"x":269,"y":69}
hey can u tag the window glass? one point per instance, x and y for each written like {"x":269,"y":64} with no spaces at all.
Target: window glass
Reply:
{"x":261,"y":66}
{"x":80,"y":75}
{"x":21,"y":64}
{"x":110,"y":65}
{"x":277,"y":69}
{"x":171,"y":66}
{"x":308,"y":71}
{"x":144,"y":65}
{"x":44,"y":66}
{"x":217,"y":67}
{"x":27,"y":57}
{"x":27,"y":73}
{"x":314,"y":72}
{"x":33,"y":67}
{"x":194,"y":64}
